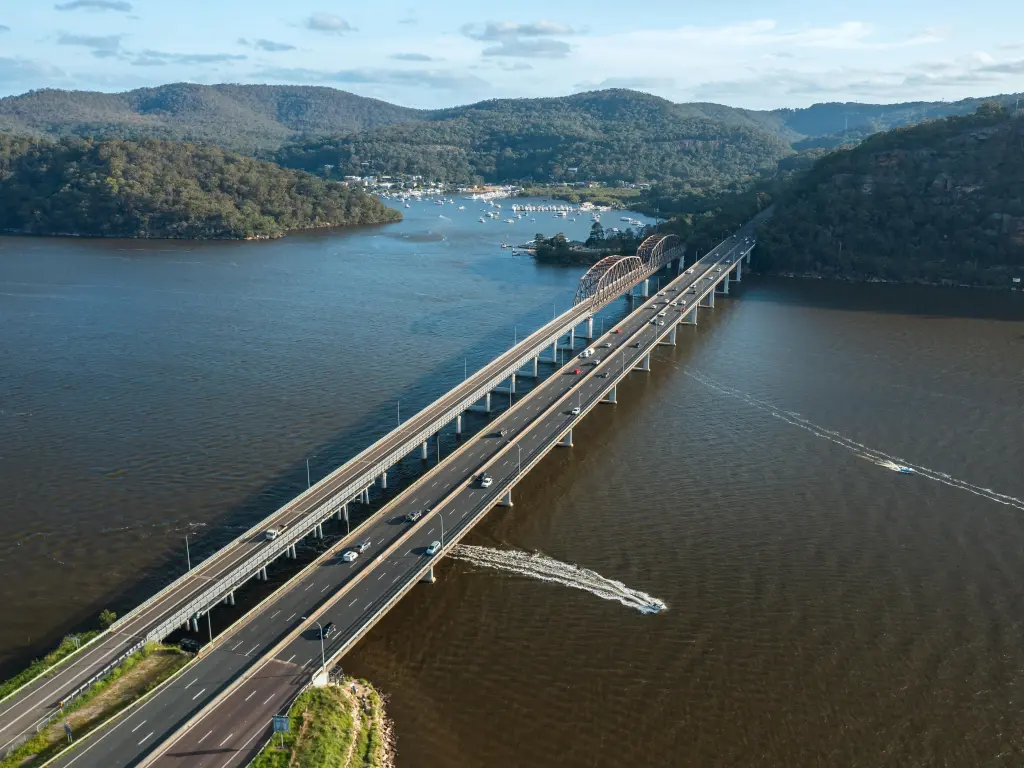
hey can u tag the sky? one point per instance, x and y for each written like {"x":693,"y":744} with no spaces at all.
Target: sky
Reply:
{"x":432,"y":54}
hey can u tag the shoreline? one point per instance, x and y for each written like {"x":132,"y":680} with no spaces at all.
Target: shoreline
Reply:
{"x":882,"y":281}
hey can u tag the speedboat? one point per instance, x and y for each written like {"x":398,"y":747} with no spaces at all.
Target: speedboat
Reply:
{"x":904,"y":470}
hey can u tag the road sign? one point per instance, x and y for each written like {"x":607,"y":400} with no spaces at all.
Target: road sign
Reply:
{"x":282,"y":724}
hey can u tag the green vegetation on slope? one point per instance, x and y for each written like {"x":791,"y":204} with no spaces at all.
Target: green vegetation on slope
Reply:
{"x":611,"y":135}
{"x":332,"y":726}
{"x":130,"y":680}
{"x":243,"y":118}
{"x":118,"y":188}
{"x":940,"y":202}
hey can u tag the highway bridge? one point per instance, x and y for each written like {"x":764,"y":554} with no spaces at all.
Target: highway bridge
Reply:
{"x":217,"y":711}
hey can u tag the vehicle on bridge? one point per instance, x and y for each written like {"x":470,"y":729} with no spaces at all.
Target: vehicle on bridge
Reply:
{"x":350,"y":555}
{"x":413,"y":516}
{"x":575,"y":411}
{"x":485,"y":480}
{"x":364,"y":545}
{"x":576,"y":372}
{"x":272,"y":533}
{"x":434,"y":548}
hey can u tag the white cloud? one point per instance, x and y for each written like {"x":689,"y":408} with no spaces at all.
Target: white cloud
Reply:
{"x":328,"y":22}
{"x":95,"y":5}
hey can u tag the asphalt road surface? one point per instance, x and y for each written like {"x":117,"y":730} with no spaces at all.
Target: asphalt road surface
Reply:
{"x":230,"y":733}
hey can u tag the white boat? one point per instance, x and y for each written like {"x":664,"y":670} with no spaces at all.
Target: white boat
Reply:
{"x":510,"y":221}
{"x":408,"y":206}
{"x":460,"y":208}
{"x":439,"y":202}
{"x":904,"y":470}
{"x":483,"y":220}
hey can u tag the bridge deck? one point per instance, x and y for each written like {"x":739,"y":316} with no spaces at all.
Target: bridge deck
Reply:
{"x":355,"y":595}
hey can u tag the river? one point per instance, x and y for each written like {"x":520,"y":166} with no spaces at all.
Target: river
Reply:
{"x":821,"y":608}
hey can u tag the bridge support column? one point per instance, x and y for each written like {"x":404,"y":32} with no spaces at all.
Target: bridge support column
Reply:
{"x":611,"y":396}
{"x":536,"y":369}
{"x":342,"y":513}
{"x":384,"y":479}
{"x":572,"y":337}
{"x":263,"y":573}
{"x":690,"y":318}
{"x":724,"y":285}
{"x":423,"y":451}
{"x":590,"y":328}
{"x":365,"y":496}
{"x":748,"y":256}
{"x":194,"y":621}
{"x":554,"y":352}
{"x":506,"y":499}
{"x":739,"y":271}
{"x":644,"y":364}
{"x":566,"y":440}
{"x":707,"y":301}
{"x":670,"y":340}
{"x":319,"y":530}
{"x":458,"y":425}
{"x":230,"y":599}
{"x":428,"y":577}
{"x":486,"y":407}
{"x":645,"y":291}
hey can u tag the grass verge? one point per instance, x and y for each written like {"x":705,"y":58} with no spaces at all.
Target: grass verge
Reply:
{"x":135,"y":676}
{"x":340,"y":725}
{"x":67,"y":646}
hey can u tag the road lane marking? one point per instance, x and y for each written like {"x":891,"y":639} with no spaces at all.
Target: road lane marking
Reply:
{"x":195,"y":697}
{"x":139,"y":726}
{"x":235,"y":645}
{"x":382,"y":575}
{"x":204,"y":737}
{"x":310,"y":585}
{"x":268,"y":699}
{"x":325,"y":589}
{"x":190,"y":684}
{"x":352,"y":603}
{"x":291,"y":617}
{"x":225,"y":740}
{"x":289,"y":661}
{"x":251,"y":694}
{"x":145,"y":737}
{"x":396,"y":578}
{"x":274,"y":613}
{"x":253,"y":648}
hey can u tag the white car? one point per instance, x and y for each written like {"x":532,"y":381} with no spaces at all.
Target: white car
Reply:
{"x":350,"y":555}
{"x":662,"y":313}
{"x":485,"y":481}
{"x":575,"y":411}
{"x":433,"y":548}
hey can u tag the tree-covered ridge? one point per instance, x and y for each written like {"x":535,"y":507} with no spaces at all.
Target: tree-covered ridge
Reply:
{"x":600,"y":136}
{"x":151,"y":188}
{"x":243,"y":118}
{"x":939,"y":202}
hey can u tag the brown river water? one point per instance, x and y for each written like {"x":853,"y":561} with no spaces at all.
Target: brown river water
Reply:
{"x":822,"y":609}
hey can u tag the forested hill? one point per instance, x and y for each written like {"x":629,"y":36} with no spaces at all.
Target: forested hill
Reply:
{"x":243,"y":118}
{"x":940,"y":202}
{"x":152,"y":188}
{"x":605,"y":135}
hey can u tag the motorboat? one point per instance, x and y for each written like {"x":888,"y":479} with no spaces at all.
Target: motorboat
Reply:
{"x":904,"y":470}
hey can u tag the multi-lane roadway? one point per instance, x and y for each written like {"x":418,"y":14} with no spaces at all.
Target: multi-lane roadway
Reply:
{"x":285,"y":651}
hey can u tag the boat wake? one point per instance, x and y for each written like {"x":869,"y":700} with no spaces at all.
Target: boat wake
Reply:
{"x":880,"y":458}
{"x":538,"y":566}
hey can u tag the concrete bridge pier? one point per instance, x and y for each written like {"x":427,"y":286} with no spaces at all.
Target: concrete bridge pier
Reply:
{"x":342,"y":513}
{"x":486,"y":407}
{"x":708,"y":301}
{"x":590,"y":328}
{"x":428,"y":577}
{"x":670,"y":340}
{"x":645,"y":291}
{"x":536,"y":369}
{"x":318,"y":530}
{"x":510,"y":389}
{"x":506,"y":499}
{"x":572,"y":337}
{"x":554,"y":352}
{"x":739,"y":271}
{"x":262,"y":574}
{"x":690,"y":318}
{"x":458,"y":425}
{"x":229,"y":598}
{"x":724,"y":284}
{"x":611,"y":396}
{"x":566,"y":440}
{"x":644,"y":364}
{"x":423,"y":451}
{"x":365,"y":496}
{"x":384,"y":479}
{"x":748,"y":256}
{"x":194,"y":622}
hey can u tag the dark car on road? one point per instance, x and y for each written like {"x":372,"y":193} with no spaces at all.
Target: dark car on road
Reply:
{"x":364,"y":545}
{"x":328,"y":629}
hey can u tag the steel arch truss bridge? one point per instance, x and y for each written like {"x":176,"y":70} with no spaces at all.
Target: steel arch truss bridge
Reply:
{"x":614,"y":274}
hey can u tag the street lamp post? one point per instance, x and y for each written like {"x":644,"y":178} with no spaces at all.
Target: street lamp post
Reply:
{"x":323,"y":655}
{"x":399,"y":413}
{"x":440,"y":516}
{"x":519,"y":471}
{"x":188,"y":555}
